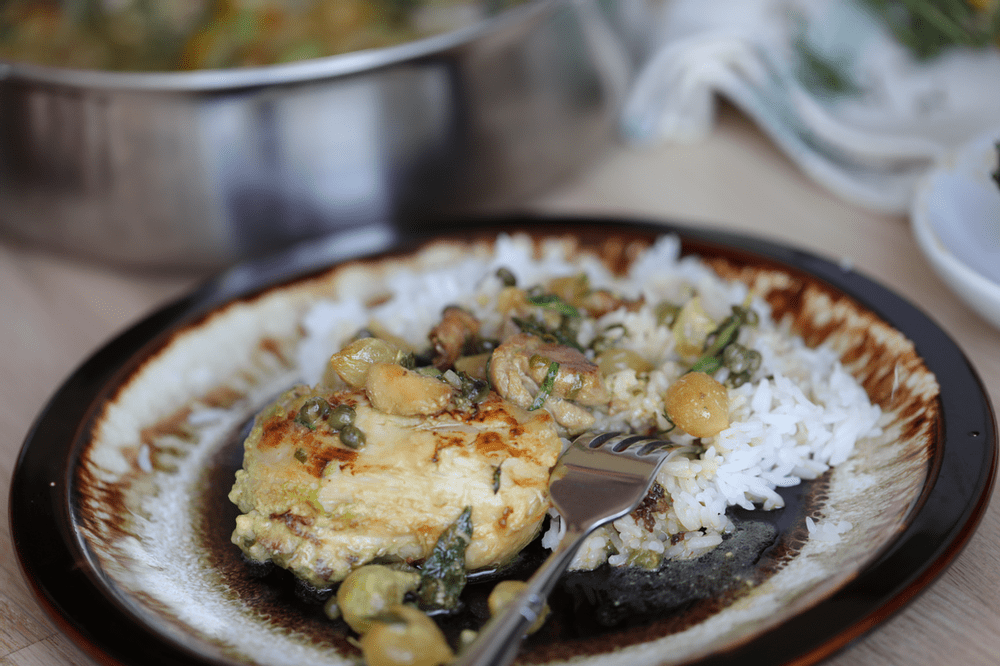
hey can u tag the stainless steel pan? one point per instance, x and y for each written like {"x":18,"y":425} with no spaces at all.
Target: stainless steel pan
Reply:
{"x":203,"y":168}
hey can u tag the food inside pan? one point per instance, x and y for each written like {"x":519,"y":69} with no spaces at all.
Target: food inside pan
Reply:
{"x":139,"y":35}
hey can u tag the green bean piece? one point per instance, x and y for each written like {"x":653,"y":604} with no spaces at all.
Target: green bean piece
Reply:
{"x":352,"y":437}
{"x":312,"y":412}
{"x":496,"y":479}
{"x":340,"y":416}
{"x":707,"y":364}
{"x":442,"y":577}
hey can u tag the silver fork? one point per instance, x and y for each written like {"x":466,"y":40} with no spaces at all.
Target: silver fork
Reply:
{"x":599,"y":478}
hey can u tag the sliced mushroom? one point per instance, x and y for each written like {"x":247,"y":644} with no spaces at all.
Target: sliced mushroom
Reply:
{"x":451,"y":335}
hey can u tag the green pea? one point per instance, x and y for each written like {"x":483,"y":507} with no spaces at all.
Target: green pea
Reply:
{"x":341,"y":416}
{"x":312,"y":411}
{"x":352,"y":437}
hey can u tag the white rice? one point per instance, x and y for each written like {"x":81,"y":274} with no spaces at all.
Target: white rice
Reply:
{"x":801,"y":413}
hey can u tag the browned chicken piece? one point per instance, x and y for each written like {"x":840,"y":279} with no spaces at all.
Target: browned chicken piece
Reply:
{"x":320,"y":508}
{"x":449,"y":337}
{"x":519,"y":369}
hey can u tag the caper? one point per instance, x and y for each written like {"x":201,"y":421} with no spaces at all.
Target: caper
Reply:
{"x":352,"y":437}
{"x":738,"y":380}
{"x":734,"y":357}
{"x":474,"y":390}
{"x":340,"y":416}
{"x":312,"y":411}
{"x":506,"y":277}
{"x":408,"y":360}
{"x":665,"y":313}
{"x":740,"y":360}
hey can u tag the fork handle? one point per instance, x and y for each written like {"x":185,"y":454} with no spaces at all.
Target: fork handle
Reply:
{"x":499,"y":640}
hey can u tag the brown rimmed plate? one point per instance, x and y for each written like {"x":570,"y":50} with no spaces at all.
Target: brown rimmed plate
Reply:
{"x":121,"y":526}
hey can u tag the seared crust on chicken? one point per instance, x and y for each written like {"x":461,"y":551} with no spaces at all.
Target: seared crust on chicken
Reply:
{"x":320,"y":509}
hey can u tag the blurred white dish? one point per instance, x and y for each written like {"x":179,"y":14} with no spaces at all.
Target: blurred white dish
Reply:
{"x":956,"y":220}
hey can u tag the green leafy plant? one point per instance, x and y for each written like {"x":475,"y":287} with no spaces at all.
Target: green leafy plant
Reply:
{"x":928,"y":27}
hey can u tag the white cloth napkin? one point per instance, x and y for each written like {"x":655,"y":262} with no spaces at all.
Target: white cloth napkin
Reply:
{"x":869,"y":145}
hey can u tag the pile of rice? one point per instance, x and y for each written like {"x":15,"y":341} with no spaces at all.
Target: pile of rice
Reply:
{"x":800,"y":414}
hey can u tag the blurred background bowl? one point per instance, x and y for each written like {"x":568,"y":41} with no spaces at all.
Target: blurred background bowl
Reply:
{"x":202,"y":168}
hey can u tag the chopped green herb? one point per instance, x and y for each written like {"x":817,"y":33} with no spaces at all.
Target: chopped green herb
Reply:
{"x":562,"y":335}
{"x":673,"y":426}
{"x":553,"y":302}
{"x":442,"y":577}
{"x":725,"y":335}
{"x":546,"y":387}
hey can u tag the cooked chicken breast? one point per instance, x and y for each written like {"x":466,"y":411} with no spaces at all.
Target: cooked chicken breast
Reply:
{"x":318,"y":507}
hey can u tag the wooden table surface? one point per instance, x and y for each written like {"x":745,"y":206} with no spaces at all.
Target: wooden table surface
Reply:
{"x":55,"y":311}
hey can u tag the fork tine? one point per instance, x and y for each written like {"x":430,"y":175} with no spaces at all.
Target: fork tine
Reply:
{"x":598,"y":478}
{"x":621,"y":442}
{"x":625,"y":442}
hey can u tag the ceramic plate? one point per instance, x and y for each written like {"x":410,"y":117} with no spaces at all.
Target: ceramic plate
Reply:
{"x":956,"y":220}
{"x":121,"y":522}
